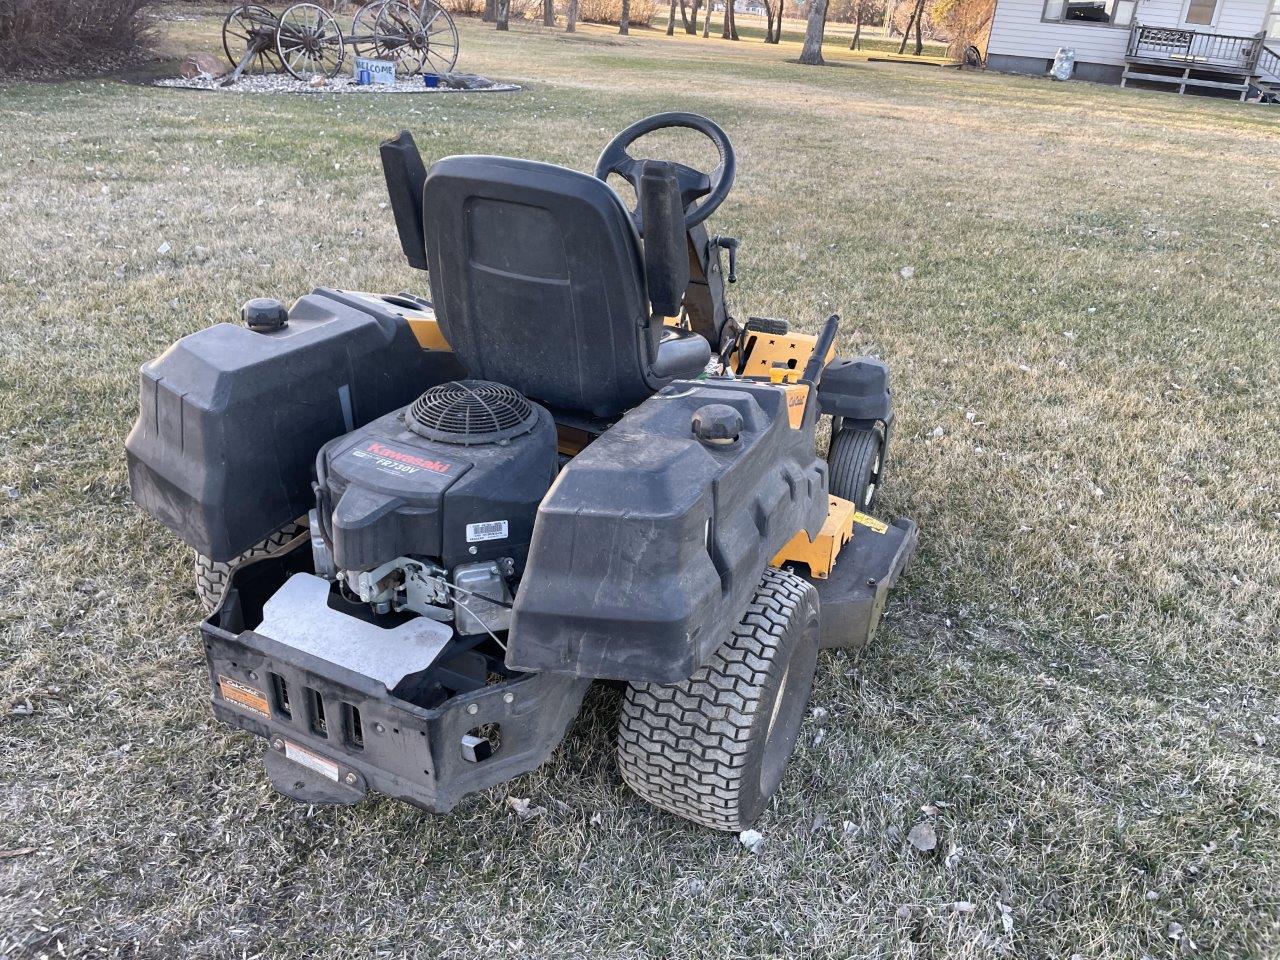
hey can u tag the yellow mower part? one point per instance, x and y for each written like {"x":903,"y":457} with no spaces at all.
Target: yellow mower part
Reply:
{"x":777,"y":357}
{"x":820,"y":553}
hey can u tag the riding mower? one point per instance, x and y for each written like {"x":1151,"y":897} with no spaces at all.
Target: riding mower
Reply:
{"x":424,"y":527}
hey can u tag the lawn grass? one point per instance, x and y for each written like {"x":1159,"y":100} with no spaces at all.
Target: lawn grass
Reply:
{"x":1077,"y":682}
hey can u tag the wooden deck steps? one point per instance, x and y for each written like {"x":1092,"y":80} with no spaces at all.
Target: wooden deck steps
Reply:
{"x":1187,"y":77}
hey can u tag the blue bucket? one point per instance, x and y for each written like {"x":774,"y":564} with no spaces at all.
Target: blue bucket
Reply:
{"x":430,"y":80}
{"x":364,"y":78}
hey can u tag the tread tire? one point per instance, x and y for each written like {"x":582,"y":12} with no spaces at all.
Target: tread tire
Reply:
{"x":852,"y":463}
{"x":713,"y":748}
{"x":213,"y":576}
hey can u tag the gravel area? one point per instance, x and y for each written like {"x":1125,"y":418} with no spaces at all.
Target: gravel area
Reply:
{"x":283,"y":83}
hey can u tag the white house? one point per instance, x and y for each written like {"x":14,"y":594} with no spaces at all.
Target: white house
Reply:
{"x":1201,"y":46}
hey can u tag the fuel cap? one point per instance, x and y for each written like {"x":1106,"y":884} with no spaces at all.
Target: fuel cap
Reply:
{"x":264,"y":314}
{"x":717,"y":423}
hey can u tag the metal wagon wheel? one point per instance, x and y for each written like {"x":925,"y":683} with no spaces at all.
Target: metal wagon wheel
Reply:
{"x":250,"y":25}
{"x":362,"y":29}
{"x":309,"y":42}
{"x":441,"y":36}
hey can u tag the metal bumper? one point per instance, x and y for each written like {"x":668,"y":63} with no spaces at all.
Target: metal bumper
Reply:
{"x":334,"y":734}
{"x":852,"y":598}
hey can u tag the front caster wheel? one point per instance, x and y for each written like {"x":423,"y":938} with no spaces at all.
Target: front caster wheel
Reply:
{"x":713,"y":748}
{"x":855,"y":461}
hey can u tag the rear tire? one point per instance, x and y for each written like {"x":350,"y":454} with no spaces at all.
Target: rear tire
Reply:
{"x":212,"y":576}
{"x":713,"y":748}
{"x":854,"y":462}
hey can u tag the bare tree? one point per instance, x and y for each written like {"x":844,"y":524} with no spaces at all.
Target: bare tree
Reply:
{"x":863,"y":10}
{"x":549,"y":13}
{"x":490,"y":11}
{"x":706,"y":21}
{"x":811,"y":53}
{"x":916,"y":16}
{"x":571,"y":24}
{"x":730,"y":28}
{"x":504,"y":9}
{"x":624,"y":21}
{"x":768,"y":21}
{"x":671,"y":19}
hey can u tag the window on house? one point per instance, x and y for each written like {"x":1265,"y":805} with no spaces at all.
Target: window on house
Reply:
{"x":1200,"y":12}
{"x":1116,"y":12}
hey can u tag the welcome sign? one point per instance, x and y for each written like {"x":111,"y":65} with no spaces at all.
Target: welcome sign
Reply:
{"x":380,"y":71}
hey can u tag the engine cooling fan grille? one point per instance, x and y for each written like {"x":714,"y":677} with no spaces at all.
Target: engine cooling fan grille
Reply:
{"x":469,"y":412}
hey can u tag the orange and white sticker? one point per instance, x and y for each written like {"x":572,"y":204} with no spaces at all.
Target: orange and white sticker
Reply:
{"x":244,"y":696}
{"x":312,"y":761}
{"x":879,"y":526}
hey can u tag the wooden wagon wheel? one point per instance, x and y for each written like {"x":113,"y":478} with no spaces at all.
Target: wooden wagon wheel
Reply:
{"x":394,"y":36}
{"x":441,"y":36}
{"x":309,"y":42}
{"x":362,"y":29}
{"x":251,"y":25}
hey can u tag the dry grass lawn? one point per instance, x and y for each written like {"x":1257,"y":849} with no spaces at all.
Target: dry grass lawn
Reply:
{"x":1078,"y":684}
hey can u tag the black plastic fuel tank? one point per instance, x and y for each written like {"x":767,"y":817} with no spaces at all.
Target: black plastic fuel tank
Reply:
{"x":231,"y":419}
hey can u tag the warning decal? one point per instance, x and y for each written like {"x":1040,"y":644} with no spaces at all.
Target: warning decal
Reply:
{"x":493,"y":530}
{"x":311,"y":761}
{"x":879,"y":526}
{"x":244,"y":696}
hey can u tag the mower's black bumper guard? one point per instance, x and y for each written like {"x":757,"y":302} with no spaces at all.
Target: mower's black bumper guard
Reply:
{"x":852,"y":598}
{"x":402,"y":750}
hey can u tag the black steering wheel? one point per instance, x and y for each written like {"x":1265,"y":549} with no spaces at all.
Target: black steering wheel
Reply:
{"x":700,"y":193}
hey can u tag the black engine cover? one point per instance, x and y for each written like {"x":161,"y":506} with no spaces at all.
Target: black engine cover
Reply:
{"x":386,"y":492}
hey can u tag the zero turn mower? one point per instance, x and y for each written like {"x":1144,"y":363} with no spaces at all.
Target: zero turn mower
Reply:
{"x":425,"y":527}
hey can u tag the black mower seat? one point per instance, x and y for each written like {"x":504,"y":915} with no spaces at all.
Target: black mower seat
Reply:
{"x":538,"y":282}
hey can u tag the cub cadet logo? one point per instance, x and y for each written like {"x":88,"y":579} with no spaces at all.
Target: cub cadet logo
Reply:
{"x":435,"y":466}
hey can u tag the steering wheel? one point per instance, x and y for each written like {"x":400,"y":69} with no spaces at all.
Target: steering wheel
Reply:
{"x":700,"y":193}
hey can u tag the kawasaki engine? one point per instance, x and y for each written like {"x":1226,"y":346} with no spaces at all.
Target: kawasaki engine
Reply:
{"x":430,"y":510}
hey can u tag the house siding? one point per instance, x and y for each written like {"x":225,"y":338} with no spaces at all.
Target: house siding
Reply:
{"x":1023,"y":42}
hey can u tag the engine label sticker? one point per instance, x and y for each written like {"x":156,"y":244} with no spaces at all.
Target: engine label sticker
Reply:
{"x":311,"y":761}
{"x":492,"y":530}
{"x":244,"y":696}
{"x":871,"y":523}
{"x":397,"y":462}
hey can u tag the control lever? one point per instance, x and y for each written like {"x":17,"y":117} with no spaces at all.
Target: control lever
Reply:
{"x":730,"y":244}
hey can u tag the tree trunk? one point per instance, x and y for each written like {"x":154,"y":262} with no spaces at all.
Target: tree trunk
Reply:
{"x":768,"y":25}
{"x":889,"y":12}
{"x":919,"y":21}
{"x":624,"y":21}
{"x":726,"y":28}
{"x":549,"y":13}
{"x":692,"y":27}
{"x":671,"y":20}
{"x":777,"y":23}
{"x":490,"y":11}
{"x":906,"y":34}
{"x":812,"y":51}
{"x":857,"y":27}
{"x":571,"y":18}
{"x":706,"y":21}
{"x":504,"y":8}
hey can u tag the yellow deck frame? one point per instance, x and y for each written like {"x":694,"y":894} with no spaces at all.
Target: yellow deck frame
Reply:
{"x":820,"y":553}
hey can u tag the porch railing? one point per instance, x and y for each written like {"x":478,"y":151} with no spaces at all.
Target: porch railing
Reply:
{"x":1190,"y":47}
{"x":1268,"y":64}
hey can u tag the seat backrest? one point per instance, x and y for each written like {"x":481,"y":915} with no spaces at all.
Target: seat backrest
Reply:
{"x":538,"y":282}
